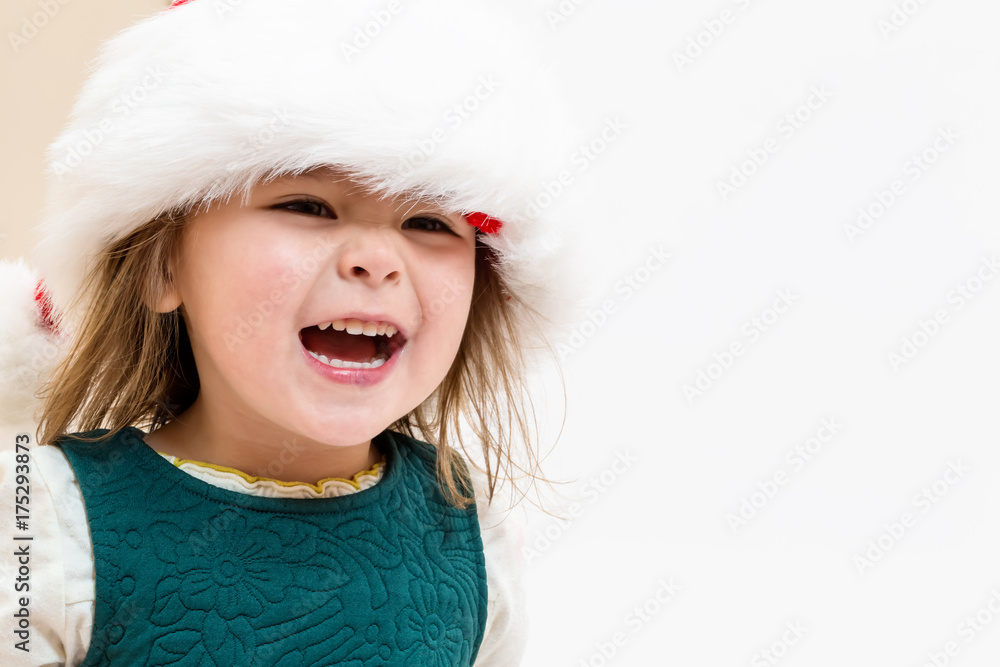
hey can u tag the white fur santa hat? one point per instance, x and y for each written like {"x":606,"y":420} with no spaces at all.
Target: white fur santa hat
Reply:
{"x":441,"y":99}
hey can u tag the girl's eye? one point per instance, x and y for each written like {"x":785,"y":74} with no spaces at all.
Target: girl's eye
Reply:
{"x":430,"y":225}
{"x":308,"y":207}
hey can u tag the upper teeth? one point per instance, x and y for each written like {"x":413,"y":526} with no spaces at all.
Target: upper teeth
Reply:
{"x":353,"y":326}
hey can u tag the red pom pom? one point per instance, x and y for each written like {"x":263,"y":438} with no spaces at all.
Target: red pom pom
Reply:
{"x":44,"y":303}
{"x":485,"y":223}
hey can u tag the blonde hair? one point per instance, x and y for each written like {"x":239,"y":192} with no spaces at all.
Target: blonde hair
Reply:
{"x":132,"y":366}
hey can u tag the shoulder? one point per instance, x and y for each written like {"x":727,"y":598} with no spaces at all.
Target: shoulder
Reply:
{"x":51,"y":461}
{"x":61,"y":586}
{"x":411,"y":448}
{"x":85,"y":439}
{"x":497,"y":517}
{"x":424,"y":456}
{"x":502,"y":530}
{"x":90,"y":453}
{"x":48,"y":472}
{"x":58,"y":501}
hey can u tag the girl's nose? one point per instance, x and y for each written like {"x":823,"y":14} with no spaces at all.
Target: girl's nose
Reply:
{"x":371,"y":256}
{"x":372,"y":275}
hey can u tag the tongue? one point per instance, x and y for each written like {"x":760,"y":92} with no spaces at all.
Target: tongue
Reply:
{"x":339,"y":344}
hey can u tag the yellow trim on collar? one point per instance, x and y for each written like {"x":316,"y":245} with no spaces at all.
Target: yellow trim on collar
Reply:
{"x":317,"y":487}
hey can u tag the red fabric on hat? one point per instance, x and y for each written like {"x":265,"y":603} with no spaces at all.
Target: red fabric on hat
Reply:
{"x":485,"y":223}
{"x":44,"y":304}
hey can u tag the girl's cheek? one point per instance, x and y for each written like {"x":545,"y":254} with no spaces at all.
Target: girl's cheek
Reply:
{"x":451,"y":299}
{"x":272,"y":263}
{"x":260,"y":292}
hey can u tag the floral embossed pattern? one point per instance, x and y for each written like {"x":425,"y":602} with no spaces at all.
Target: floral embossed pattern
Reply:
{"x":193,"y":575}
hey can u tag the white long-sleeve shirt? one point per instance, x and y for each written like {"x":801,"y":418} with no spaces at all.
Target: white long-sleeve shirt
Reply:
{"x":61,"y":565}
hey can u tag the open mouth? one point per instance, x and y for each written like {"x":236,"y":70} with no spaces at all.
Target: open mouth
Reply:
{"x":352,"y":343}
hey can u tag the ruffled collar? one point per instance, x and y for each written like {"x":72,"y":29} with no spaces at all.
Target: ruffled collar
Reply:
{"x":241,"y":482}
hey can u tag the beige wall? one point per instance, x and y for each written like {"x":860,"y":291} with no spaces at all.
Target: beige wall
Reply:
{"x":39,"y":80}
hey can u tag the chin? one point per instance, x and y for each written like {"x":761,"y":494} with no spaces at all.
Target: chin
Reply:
{"x":345,"y":432}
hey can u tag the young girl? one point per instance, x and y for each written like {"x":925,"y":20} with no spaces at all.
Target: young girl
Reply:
{"x":287,"y":246}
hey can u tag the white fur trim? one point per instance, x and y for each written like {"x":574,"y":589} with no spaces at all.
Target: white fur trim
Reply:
{"x":200,"y":101}
{"x":27,"y":350}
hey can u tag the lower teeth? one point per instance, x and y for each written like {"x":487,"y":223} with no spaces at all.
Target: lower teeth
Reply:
{"x":339,"y":363}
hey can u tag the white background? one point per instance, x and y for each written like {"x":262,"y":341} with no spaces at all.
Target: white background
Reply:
{"x":664,"y":516}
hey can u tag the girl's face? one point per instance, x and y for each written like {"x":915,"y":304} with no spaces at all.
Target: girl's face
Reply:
{"x":256,"y":283}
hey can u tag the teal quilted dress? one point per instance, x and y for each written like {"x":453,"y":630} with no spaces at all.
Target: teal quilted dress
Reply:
{"x":192,"y":575}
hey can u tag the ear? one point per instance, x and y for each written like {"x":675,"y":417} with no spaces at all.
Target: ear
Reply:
{"x":169,"y":296}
